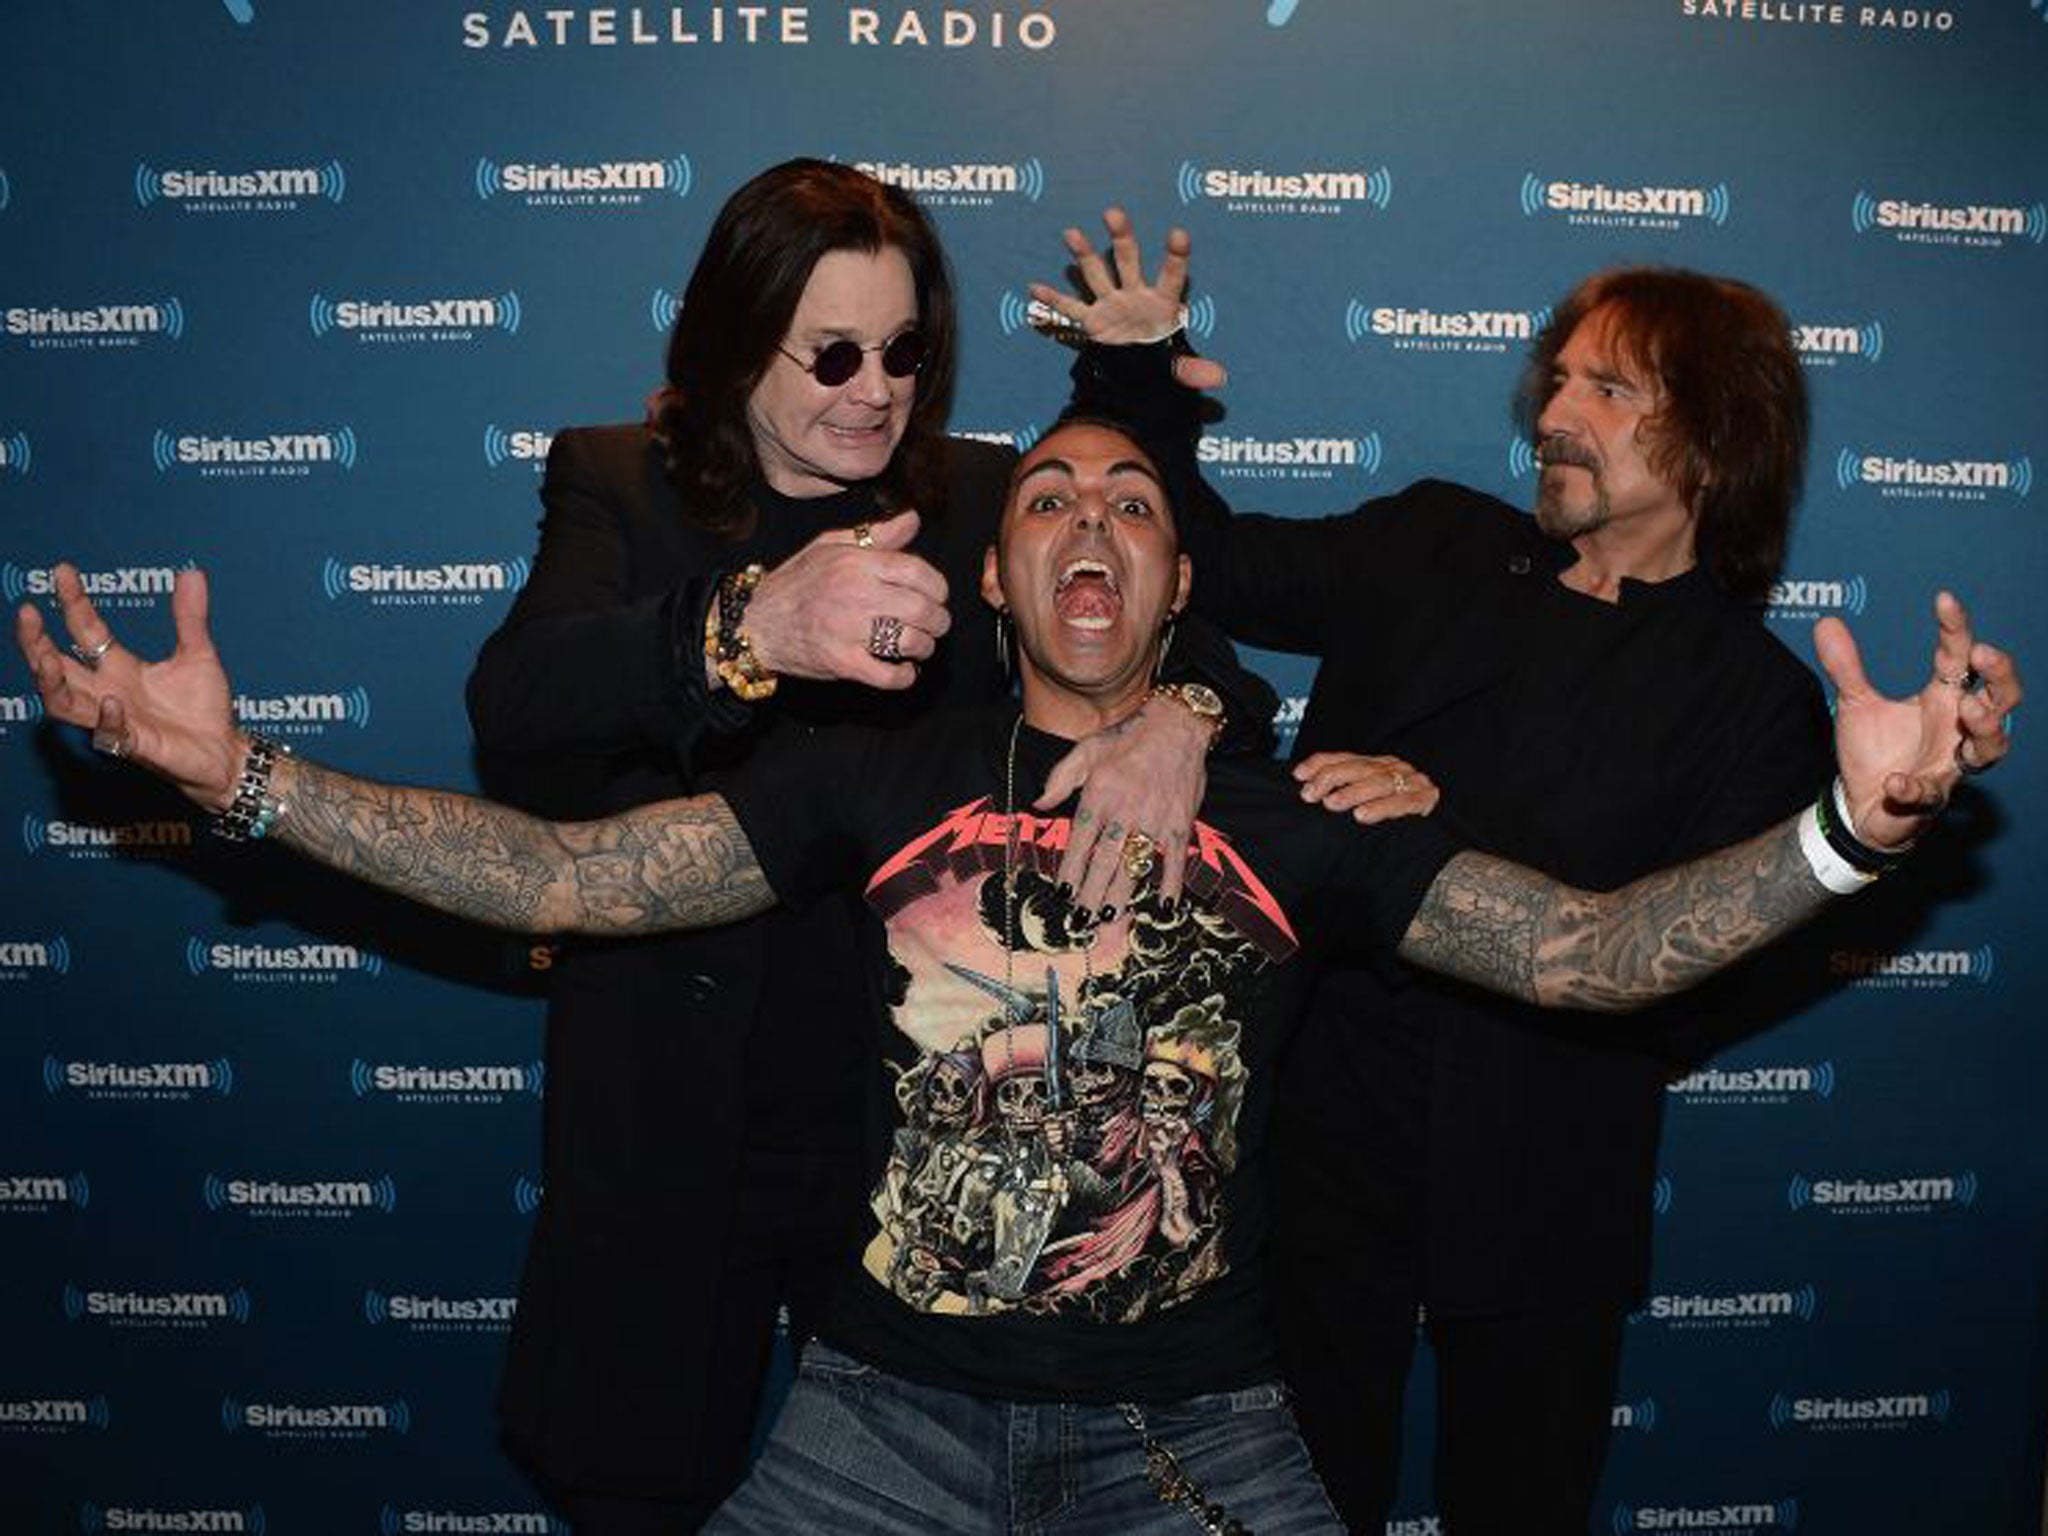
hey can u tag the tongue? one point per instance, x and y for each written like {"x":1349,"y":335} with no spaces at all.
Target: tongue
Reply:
{"x":1087,"y":597}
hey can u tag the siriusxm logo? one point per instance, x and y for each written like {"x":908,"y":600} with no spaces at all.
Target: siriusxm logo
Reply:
{"x":1922,"y":479}
{"x":526,"y":1195}
{"x":1014,"y":313}
{"x":1287,"y":719}
{"x":446,"y":1522}
{"x":1647,"y":207}
{"x":105,"y":840}
{"x":139,"y":1079}
{"x":1977,"y":224}
{"x":319,"y":1198}
{"x":95,"y":1518}
{"x":1833,"y":1413}
{"x":440,"y":1314}
{"x":445,"y":1085}
{"x":595,"y":183}
{"x":322,"y":1421}
{"x":269,"y":189}
{"x":279,"y":962}
{"x":1638,"y":1416}
{"x":41,"y":1192}
{"x":20,"y":958}
{"x":1020,"y":438}
{"x":1754,"y":1085}
{"x":135,"y":586}
{"x":1808,"y":599}
{"x":54,"y":1415}
{"x":20,"y":709}
{"x":962,"y":184}
{"x":1730,"y":1309}
{"x":522,"y":445}
{"x":1289,"y":458}
{"x":1442,"y":330}
{"x":157,"y":1309}
{"x":17,"y":456}
{"x":1883,"y":1197}
{"x":450,"y":584}
{"x":1729,"y":1519}
{"x":1661,"y":1195}
{"x":291,"y":454}
{"x":1826,"y":345}
{"x":388,"y":320}
{"x":1291,"y":192}
{"x":103,"y":325}
{"x":1914,"y":967}
{"x":304,"y":714}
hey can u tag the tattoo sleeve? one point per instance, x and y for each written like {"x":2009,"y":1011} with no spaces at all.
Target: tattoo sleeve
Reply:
{"x":679,"y":864}
{"x":1513,"y":931}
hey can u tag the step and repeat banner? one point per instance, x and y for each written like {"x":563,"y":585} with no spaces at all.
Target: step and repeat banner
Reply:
{"x":298,"y":293}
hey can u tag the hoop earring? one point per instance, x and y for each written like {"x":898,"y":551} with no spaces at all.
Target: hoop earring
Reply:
{"x":1004,"y":663}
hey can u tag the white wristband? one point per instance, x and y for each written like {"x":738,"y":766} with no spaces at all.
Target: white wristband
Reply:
{"x":1828,"y":866}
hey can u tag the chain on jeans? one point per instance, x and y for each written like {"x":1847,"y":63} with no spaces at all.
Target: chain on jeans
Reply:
{"x":1173,"y":1485}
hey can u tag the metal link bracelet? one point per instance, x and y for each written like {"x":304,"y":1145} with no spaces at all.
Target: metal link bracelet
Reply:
{"x":254,"y":810}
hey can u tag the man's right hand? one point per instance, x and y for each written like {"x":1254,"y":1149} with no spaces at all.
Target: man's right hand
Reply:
{"x":173,"y":717}
{"x":1369,"y":787}
{"x":814,"y":615}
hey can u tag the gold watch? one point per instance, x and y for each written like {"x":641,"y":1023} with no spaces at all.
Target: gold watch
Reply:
{"x":1200,"y":700}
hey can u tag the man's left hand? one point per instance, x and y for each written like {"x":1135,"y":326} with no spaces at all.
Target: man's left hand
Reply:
{"x":1143,"y":776}
{"x":1901,"y":758}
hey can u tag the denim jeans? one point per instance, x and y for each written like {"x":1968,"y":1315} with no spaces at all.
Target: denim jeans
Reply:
{"x":859,"y":1451}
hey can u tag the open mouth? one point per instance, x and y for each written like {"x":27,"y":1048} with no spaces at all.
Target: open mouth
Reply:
{"x":1087,"y":595}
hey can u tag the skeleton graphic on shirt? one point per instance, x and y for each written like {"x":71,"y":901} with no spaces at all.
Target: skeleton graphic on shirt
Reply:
{"x":1066,"y":1127}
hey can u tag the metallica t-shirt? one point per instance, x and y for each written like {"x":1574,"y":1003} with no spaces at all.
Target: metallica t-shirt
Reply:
{"x":1065,"y":1130}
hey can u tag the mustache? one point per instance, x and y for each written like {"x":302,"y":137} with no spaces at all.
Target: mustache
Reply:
{"x":1557,"y":448}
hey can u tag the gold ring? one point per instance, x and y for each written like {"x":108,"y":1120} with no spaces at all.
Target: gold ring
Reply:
{"x":1140,"y":854}
{"x":863,"y":536}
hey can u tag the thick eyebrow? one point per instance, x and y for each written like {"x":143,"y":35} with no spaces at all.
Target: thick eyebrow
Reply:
{"x":1120,"y":467}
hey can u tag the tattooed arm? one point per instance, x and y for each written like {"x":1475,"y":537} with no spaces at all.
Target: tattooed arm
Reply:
{"x":1509,"y":929}
{"x":679,"y":864}
{"x":1513,"y":931}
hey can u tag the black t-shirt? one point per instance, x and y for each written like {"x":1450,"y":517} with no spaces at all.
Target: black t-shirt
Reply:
{"x":1065,"y":1139}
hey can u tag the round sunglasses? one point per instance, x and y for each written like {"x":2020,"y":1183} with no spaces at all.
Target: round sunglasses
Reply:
{"x":837,"y":361}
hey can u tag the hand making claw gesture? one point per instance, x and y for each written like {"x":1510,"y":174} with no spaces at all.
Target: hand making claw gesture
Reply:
{"x":1119,"y":308}
{"x":1901,"y":758}
{"x":173,"y":716}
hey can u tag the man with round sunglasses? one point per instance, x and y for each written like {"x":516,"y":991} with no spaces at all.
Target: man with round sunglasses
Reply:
{"x":782,"y":547}
{"x":1068,"y":1331}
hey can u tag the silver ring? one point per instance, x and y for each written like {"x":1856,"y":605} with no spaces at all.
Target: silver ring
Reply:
{"x":863,"y":536}
{"x":117,"y":746}
{"x":1400,"y":783}
{"x":1965,"y":767}
{"x":885,"y":637}
{"x":91,"y":658}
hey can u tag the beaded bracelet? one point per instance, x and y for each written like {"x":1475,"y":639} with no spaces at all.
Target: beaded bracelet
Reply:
{"x":725,"y":642}
{"x":254,"y":810}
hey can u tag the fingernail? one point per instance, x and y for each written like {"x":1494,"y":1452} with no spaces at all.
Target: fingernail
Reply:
{"x":1064,"y":890}
{"x":1108,"y":911}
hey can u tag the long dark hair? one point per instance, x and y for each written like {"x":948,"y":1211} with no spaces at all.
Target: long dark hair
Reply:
{"x":1731,"y":435}
{"x":738,"y":306}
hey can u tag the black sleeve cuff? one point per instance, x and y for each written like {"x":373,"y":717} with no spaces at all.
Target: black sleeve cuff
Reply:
{"x":723,"y":712}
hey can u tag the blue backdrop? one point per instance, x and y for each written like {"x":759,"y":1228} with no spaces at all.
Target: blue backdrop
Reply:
{"x":297,"y":292}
